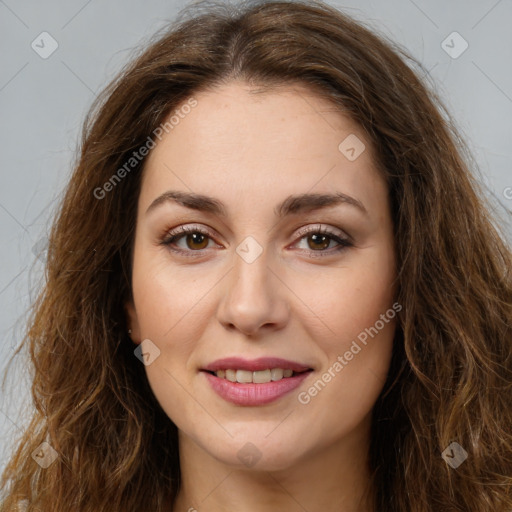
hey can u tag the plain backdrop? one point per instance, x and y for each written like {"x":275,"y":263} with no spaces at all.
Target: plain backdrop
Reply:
{"x":464,"y":46}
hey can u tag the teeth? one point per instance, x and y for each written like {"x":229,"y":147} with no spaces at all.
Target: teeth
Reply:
{"x":259,"y":377}
{"x":277,"y":373}
{"x":243,"y":376}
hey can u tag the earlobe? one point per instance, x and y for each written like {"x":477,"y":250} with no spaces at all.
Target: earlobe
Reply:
{"x":132,"y":322}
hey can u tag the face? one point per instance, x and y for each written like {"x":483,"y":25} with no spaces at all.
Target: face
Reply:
{"x":270,"y":280}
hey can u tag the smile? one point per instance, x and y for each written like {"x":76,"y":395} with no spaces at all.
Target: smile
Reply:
{"x":256,"y":382}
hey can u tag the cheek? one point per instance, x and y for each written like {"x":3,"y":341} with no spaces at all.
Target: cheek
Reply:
{"x":355,"y":337}
{"x":170,"y":303}
{"x":348,"y":300}
{"x":169,"y":299}
{"x":171,"y":316}
{"x":347,"y":387}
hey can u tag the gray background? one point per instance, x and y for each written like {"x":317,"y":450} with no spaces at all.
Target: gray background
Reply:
{"x":43,"y":102}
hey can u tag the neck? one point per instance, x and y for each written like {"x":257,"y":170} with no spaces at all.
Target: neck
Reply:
{"x":332,"y":479}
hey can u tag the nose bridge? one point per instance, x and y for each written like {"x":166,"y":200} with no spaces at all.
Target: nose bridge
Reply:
{"x":252,"y":298}
{"x":251,"y":269}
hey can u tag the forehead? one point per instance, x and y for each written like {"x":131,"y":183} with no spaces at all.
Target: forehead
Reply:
{"x":237,"y":143}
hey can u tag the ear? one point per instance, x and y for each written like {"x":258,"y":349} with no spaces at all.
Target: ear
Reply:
{"x":132,"y":321}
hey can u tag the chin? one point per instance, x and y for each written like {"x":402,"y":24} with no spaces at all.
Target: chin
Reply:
{"x":256,"y":454}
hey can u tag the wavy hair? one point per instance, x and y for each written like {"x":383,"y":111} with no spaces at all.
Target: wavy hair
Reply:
{"x":450,"y":377}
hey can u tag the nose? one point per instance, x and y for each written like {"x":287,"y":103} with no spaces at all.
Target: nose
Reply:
{"x":254,"y":298}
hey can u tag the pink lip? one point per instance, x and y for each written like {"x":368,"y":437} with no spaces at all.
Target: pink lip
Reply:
{"x":253,"y":394}
{"x":237,"y":363}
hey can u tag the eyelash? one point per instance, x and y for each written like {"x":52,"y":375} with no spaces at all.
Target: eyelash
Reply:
{"x":181,"y":231}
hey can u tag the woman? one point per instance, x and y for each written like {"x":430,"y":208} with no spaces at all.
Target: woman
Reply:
{"x":272,"y":284}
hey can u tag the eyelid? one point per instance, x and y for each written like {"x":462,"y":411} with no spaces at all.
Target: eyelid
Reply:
{"x":187,"y":228}
{"x":320,"y":228}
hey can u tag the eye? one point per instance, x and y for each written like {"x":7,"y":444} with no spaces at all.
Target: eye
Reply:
{"x":196,"y":239}
{"x":319,"y":238}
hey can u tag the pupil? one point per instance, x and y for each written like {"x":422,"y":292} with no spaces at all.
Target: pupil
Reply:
{"x":195,"y":237}
{"x":323,"y":240}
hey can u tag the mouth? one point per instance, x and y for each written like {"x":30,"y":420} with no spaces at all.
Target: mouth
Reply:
{"x":256,"y":382}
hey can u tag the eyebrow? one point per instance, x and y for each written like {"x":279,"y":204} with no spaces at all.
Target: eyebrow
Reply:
{"x":293,"y":204}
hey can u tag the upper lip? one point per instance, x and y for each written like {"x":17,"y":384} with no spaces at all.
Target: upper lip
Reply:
{"x":254,"y":365}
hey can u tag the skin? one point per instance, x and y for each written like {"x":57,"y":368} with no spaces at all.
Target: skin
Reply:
{"x":251,"y":152}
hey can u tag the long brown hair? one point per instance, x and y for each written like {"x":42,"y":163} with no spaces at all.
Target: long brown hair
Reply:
{"x":451,"y":372}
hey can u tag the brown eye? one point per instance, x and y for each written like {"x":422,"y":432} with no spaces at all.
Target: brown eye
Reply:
{"x":196,"y":240}
{"x":319,"y":241}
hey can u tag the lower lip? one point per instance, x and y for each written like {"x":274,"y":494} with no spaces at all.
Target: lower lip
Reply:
{"x":254,"y":394}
